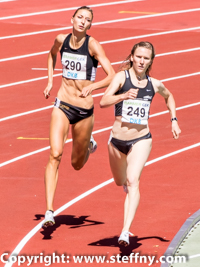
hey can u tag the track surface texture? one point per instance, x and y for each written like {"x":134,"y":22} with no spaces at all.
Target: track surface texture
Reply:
{"x":89,"y":224}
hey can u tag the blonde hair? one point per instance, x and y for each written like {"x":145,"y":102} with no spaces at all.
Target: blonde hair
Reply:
{"x":127,"y":63}
{"x":83,"y":7}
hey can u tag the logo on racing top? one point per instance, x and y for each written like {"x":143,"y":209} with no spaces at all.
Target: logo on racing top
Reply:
{"x":72,"y":75}
{"x":136,"y":121}
{"x":146,"y":97}
{"x":145,"y":105}
{"x":70,"y":56}
{"x":131,"y":103}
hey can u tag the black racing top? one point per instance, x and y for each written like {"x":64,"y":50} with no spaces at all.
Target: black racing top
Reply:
{"x":78,"y":63}
{"x":147,"y":93}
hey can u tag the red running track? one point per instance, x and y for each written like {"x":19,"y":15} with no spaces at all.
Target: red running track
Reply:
{"x":169,"y":187}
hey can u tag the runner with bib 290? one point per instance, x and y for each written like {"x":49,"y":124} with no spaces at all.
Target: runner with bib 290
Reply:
{"x":80,"y":54}
{"x":132,"y":91}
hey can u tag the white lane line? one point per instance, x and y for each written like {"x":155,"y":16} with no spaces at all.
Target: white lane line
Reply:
{"x":28,"y":81}
{"x":101,"y":23}
{"x":2,"y":1}
{"x":66,"y":9}
{"x":25,"y":113}
{"x":46,"y":52}
{"x":25,"y":240}
{"x":181,"y":76}
{"x":194,"y":256}
{"x":172,"y":154}
{"x":24,"y":56}
{"x":114,"y":63}
{"x":151,"y":34}
{"x":119,"y":62}
{"x":94,"y":132}
{"x":178,"y":52}
{"x":96,"y":95}
{"x":179,"y":108}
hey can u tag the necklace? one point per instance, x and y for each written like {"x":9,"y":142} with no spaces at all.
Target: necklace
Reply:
{"x":139,"y":79}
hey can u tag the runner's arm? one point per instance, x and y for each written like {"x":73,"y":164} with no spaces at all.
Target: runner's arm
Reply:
{"x":109,"y":98}
{"x":51,"y":62}
{"x":98,"y":52}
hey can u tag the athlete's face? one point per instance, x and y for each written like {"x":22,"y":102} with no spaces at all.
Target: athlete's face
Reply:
{"x":141,"y":59}
{"x":82,"y":20}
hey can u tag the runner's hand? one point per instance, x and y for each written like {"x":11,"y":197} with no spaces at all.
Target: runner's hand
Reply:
{"x":47,"y":90}
{"x":131,"y":94}
{"x":86,"y":91}
{"x":175,"y":129}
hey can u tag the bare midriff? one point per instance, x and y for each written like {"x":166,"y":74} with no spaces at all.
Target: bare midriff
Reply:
{"x":128,"y":131}
{"x":70,"y":92}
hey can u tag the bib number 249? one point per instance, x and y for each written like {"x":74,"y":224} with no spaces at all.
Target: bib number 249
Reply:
{"x":139,"y":112}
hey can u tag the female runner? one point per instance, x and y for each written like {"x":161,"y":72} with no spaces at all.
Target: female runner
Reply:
{"x":80,"y":55}
{"x":131,"y":91}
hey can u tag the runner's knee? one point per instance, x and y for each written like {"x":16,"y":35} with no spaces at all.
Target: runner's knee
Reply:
{"x":133,"y":182}
{"x":77,"y":164}
{"x":119,"y":182}
{"x":78,"y":158}
{"x":55,"y":157}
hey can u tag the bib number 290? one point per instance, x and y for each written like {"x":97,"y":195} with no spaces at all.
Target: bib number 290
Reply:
{"x":71,"y":65}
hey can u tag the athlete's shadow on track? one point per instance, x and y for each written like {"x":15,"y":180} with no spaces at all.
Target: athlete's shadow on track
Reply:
{"x":70,"y":220}
{"x":125,"y":251}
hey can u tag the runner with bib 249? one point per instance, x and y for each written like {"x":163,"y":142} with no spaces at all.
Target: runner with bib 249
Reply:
{"x":130,"y":142}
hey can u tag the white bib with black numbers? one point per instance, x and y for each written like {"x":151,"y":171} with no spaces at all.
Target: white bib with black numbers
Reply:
{"x":135,"y":111}
{"x":74,"y":66}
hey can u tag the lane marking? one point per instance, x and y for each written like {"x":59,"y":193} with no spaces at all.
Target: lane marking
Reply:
{"x":158,"y":55}
{"x":25,"y":240}
{"x":24,"y":56}
{"x":112,"y":41}
{"x":151,"y":34}
{"x":104,"y":42}
{"x":138,"y":12}
{"x":172,"y":153}
{"x":102,"y":22}
{"x":96,"y":95}
{"x":28,"y":81}
{"x":178,"y":52}
{"x":32,"y":138}
{"x":94,"y":132}
{"x":66,"y":9}
{"x":45,"y":69}
{"x":181,"y":76}
{"x":194,"y":256}
{"x":25,"y":113}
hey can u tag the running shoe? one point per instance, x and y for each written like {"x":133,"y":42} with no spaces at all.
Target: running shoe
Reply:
{"x":124,"y":238}
{"x":49,"y":219}
{"x":93,"y":145}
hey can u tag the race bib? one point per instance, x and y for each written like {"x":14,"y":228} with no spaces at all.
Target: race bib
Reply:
{"x":135,"y":111}
{"x":74,"y":66}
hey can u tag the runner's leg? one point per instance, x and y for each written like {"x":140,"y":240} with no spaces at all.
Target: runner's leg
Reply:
{"x":136,"y":160}
{"x":81,"y":133}
{"x":59,"y":128}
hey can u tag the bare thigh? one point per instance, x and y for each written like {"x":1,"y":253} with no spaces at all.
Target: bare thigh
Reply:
{"x":137,"y":158}
{"x":129,"y":167}
{"x":118,"y":164}
{"x":59,"y":128}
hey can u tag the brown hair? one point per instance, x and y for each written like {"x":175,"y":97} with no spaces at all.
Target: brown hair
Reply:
{"x":127,"y":63}
{"x":83,"y":7}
